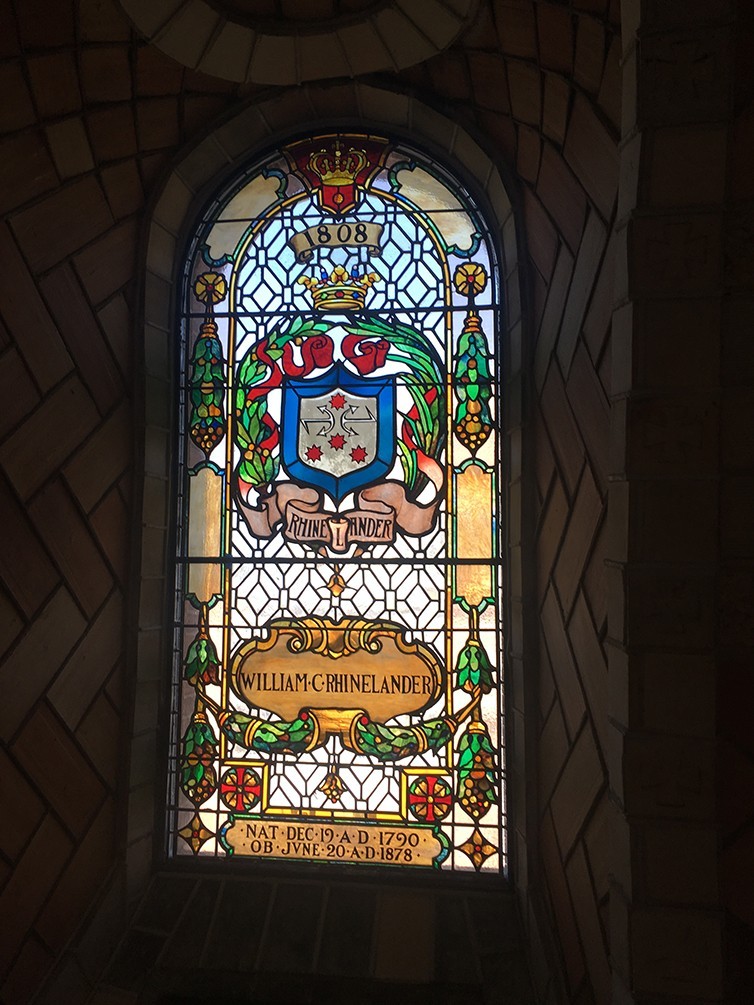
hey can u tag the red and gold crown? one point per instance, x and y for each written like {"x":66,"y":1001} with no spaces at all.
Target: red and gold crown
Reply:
{"x":336,"y":167}
{"x":340,"y":291}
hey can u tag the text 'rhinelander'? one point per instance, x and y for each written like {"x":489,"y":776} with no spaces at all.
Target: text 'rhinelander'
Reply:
{"x":336,"y":683}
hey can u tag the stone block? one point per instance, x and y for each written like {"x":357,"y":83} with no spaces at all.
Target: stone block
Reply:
{"x":32,"y":965}
{"x":27,"y":317}
{"x":229,"y":54}
{"x":590,"y":409}
{"x":112,"y":132}
{"x":585,"y":515}
{"x":741,"y":152}
{"x":37,"y":657}
{"x":553,"y":751}
{"x":676,"y":344}
{"x":555,"y":34}
{"x":596,"y":327}
{"x":674,"y":693}
{"x":736,"y":527}
{"x":90,"y":664}
{"x":676,"y":254}
{"x":108,"y":264}
{"x":101,"y":460}
{"x":567,"y":930}
{"x":26,"y":170}
{"x":106,"y":74}
{"x":552,"y":314}
{"x":677,"y":953}
{"x":157,"y":123}
{"x":736,"y":876}
{"x":590,"y":53}
{"x":593,"y":155}
{"x":103,"y":21}
{"x":564,"y":433}
{"x":673,"y":437}
{"x":25,"y":565}
{"x":30,"y":884}
{"x":684,"y":75}
{"x":687,"y":165}
{"x":670,"y":607}
{"x":676,"y":864}
{"x":600,"y":846}
{"x":528,"y":154}
{"x":674,"y":522}
{"x":364,"y":47}
{"x":588,"y":258}
{"x":10,"y":622}
{"x":562,"y":196}
{"x":62,"y":223}
{"x":55,"y":83}
{"x":595,"y":580}
{"x":589,"y":925}
{"x":50,"y":434}
{"x":407,"y":43}
{"x":517,"y":28}
{"x":83,"y":337}
{"x":80,"y":881}
{"x":735,"y":604}
{"x":98,"y":734}
{"x":670,"y":777}
{"x":68,"y":539}
{"x":51,"y":757}
{"x":525,"y":92}
{"x":737,"y":449}
{"x":67,"y":983}
{"x":396,"y":958}
{"x":70,"y":147}
{"x":592,"y":663}
{"x":25,"y":808}
{"x":610,"y":92}
{"x":561,"y":659}
{"x":577,"y":790}
{"x":541,"y":236}
{"x":115,"y":319}
{"x":110,"y":522}
{"x":123,"y":188}
{"x":17,"y":111}
{"x":347,"y":931}
{"x":557,"y":96}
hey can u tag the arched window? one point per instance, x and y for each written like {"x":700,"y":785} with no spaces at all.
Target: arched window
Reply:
{"x":338,"y":679}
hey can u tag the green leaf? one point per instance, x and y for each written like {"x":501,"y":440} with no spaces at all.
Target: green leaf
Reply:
{"x":474,"y":668}
{"x":202,"y":662}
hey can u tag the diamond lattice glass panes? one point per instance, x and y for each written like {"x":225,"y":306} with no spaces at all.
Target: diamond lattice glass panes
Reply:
{"x":338,"y":683}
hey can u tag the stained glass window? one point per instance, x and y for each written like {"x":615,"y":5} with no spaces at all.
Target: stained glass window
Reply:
{"x":338,"y":616}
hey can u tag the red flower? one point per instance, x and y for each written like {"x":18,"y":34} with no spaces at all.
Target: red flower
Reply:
{"x":371,"y":353}
{"x":316,"y":352}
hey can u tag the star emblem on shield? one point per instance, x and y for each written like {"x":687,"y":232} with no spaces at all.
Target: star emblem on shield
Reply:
{"x":338,"y":430}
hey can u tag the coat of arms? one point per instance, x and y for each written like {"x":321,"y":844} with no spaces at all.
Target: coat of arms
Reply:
{"x":320,"y":426}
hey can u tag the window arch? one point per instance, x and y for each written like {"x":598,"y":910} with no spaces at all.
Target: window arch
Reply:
{"x":339,"y":649}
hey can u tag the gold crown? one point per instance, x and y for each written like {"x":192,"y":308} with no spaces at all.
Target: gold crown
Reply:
{"x":339,"y":291}
{"x":337,"y":168}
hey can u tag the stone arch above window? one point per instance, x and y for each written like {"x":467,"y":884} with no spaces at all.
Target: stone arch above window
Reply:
{"x":257,"y":43}
{"x":173,"y":217}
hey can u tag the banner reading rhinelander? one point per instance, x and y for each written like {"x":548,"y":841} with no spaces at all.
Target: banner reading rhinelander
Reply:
{"x":379,"y":511}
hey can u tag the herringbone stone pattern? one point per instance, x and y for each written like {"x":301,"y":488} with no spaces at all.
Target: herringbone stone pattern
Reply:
{"x":90,"y":119}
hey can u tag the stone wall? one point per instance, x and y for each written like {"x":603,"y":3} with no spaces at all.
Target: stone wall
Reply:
{"x":617,"y":807}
